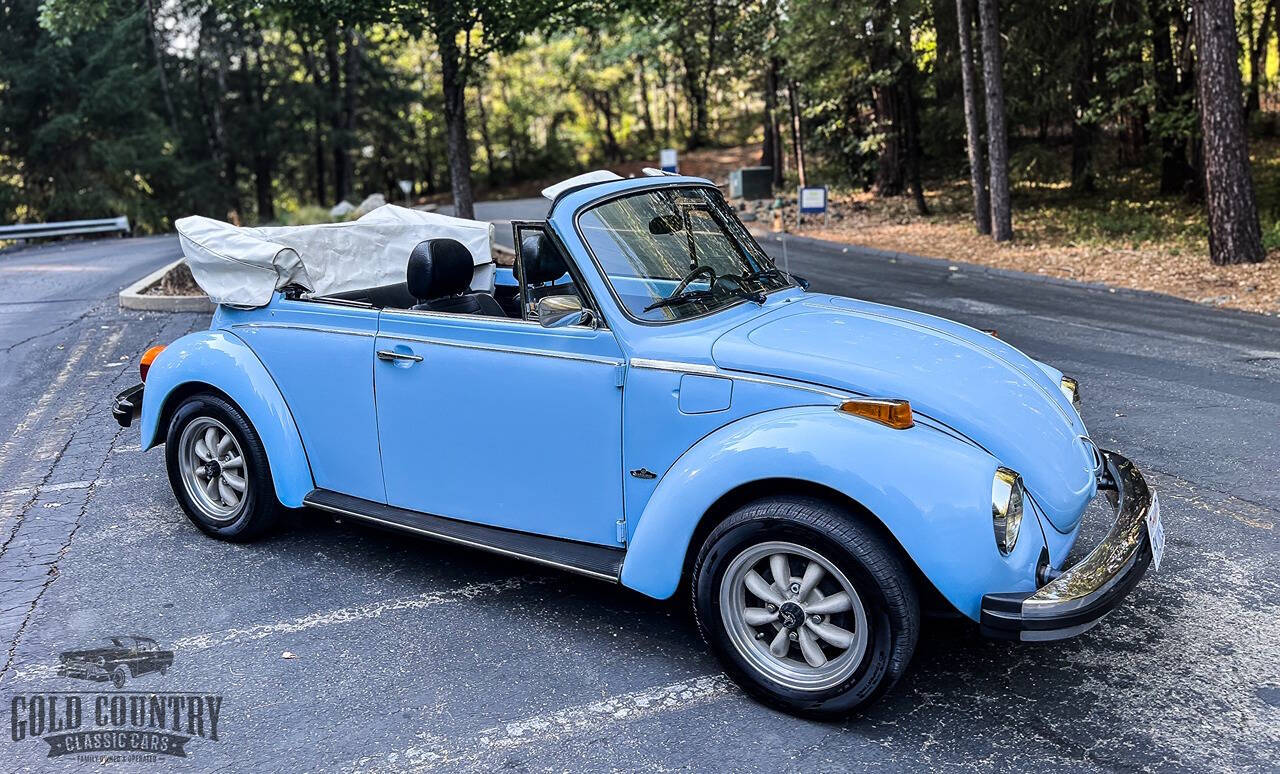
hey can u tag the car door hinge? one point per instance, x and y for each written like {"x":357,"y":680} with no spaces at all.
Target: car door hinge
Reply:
{"x":620,"y":375}
{"x":622,"y":530}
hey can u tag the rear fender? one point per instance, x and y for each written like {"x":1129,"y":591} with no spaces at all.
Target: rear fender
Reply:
{"x":220,"y":360}
{"x":931,"y":491}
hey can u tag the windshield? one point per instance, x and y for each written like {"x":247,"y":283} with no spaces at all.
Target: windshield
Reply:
{"x":677,"y":252}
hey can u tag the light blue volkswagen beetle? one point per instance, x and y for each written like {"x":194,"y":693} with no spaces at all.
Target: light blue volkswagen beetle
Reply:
{"x":646,"y":399}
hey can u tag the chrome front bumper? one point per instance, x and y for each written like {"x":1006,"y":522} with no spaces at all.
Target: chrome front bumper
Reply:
{"x":1077,"y":600}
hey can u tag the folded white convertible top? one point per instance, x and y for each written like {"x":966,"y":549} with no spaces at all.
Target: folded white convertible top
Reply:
{"x":243,"y":266}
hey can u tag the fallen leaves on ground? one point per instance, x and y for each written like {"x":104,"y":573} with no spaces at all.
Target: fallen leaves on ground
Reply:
{"x":1172,"y":266}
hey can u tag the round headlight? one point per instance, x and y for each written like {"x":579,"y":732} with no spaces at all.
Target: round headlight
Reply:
{"x":1070,"y":388}
{"x":1006,"y":508}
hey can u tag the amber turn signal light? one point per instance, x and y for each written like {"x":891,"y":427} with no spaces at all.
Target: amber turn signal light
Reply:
{"x":894,"y":413}
{"x":148,"y":357}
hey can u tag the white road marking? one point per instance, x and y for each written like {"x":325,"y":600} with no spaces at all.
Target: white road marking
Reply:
{"x":22,"y":490}
{"x":560,"y":724}
{"x":341,"y":616}
{"x":349,"y":614}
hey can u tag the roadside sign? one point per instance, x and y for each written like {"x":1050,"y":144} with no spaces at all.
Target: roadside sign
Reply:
{"x":813,"y":200}
{"x":667,"y":160}
{"x":406,"y":186}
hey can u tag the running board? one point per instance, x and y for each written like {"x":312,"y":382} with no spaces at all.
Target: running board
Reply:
{"x":586,"y":558}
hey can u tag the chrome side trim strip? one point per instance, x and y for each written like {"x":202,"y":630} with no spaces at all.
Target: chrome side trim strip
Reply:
{"x":509,"y":350}
{"x":703,"y":369}
{"x":303,"y":327}
{"x":441,"y":342}
{"x":674,"y":365}
{"x":463,"y":541}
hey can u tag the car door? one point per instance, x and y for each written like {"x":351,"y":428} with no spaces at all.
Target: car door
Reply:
{"x":502,"y":422}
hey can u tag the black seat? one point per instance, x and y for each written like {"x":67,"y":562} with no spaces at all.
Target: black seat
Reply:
{"x":540,"y":263}
{"x":439,"y":277}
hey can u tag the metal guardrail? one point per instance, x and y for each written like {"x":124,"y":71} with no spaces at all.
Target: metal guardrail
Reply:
{"x":65,"y":228}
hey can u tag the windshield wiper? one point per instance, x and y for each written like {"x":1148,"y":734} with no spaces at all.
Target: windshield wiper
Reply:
{"x":680,"y":298}
{"x":704,"y":295}
{"x":780,"y":274}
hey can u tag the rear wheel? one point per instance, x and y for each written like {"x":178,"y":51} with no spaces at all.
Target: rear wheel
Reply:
{"x":218,"y":469}
{"x":807,"y":607}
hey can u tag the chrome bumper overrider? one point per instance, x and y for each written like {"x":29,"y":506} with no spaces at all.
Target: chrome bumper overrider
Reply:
{"x":128,"y":405}
{"x":1077,"y":600}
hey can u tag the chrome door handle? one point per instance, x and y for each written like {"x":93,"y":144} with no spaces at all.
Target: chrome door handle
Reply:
{"x":388,"y":355}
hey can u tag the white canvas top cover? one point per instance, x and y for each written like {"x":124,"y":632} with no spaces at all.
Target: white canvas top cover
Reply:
{"x":242,"y":266}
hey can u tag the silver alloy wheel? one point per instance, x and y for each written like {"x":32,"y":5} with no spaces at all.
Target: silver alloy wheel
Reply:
{"x":214,"y":471}
{"x":793,"y":615}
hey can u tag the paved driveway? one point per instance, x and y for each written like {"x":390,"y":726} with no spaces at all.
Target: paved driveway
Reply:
{"x":333,"y":646}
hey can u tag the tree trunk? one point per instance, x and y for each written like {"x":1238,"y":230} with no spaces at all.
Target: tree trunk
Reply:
{"x":313,"y":74}
{"x":1234,"y":233}
{"x":1083,"y":129}
{"x":514,"y":139}
{"x":797,"y":135}
{"x":262,"y":183}
{"x":646,"y":112}
{"x":351,"y":82}
{"x":1258,"y":56}
{"x":972,"y":120}
{"x":336,"y":136}
{"x":1174,"y":169}
{"x":454,"y":85}
{"x":1184,"y":39}
{"x":997,"y":141}
{"x":697,"y":110}
{"x":157,"y":52}
{"x":911,"y":108}
{"x":263,"y":168}
{"x":771,"y":153}
{"x":483,"y":115}
{"x":888,"y":104}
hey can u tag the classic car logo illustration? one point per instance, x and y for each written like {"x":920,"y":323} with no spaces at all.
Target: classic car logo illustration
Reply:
{"x":115,"y":725}
{"x":127,"y":657}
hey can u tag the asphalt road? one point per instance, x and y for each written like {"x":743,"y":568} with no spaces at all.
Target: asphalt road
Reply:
{"x":333,"y":646}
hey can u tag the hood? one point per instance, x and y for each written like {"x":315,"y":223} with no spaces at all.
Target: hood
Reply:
{"x":973,"y":382}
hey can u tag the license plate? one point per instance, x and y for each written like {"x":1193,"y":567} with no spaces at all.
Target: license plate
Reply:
{"x":1155,"y":531}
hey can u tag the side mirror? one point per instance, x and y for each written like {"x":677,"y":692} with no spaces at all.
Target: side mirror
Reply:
{"x":562,"y":311}
{"x":665,"y":224}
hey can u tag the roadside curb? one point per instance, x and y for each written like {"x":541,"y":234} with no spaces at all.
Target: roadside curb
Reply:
{"x":132,"y":297}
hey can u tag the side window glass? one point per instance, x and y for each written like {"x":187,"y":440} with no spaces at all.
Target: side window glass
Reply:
{"x":542,"y":269}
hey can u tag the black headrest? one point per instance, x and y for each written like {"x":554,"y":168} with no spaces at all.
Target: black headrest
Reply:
{"x":439,"y":267}
{"x":539,"y":259}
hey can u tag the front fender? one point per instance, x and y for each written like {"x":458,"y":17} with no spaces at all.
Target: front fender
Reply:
{"x":222,"y":361}
{"x":930,"y":490}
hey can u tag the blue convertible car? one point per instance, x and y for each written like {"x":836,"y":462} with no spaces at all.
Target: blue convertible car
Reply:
{"x":646,"y":399}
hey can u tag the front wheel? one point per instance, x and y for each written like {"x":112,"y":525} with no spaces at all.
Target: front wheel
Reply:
{"x":218,"y":469}
{"x":808,"y":608}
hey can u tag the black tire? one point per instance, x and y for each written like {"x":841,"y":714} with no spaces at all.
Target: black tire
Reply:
{"x":118,"y":677}
{"x":261,"y":511}
{"x":874,"y":568}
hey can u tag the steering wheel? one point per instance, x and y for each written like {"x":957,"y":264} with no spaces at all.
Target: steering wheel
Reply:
{"x":698,"y":271}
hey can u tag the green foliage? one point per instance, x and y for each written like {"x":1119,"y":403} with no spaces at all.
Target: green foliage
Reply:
{"x":82,"y":136}
{"x":157,"y":110}
{"x":307,"y":215}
